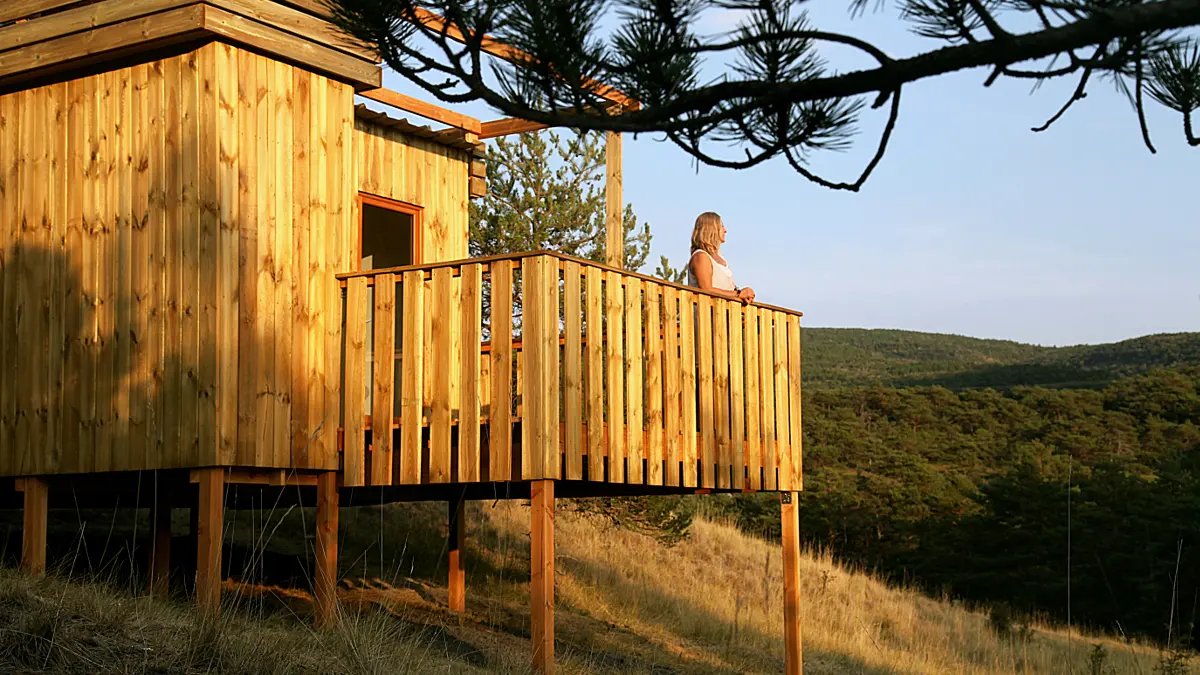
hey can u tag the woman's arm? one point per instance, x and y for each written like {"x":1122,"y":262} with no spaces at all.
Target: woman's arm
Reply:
{"x":702,"y":268}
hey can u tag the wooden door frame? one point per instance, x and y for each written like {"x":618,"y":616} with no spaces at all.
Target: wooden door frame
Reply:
{"x":412,"y":210}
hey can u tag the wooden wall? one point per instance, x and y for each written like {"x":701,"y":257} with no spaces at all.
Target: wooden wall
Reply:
{"x":169,"y":236}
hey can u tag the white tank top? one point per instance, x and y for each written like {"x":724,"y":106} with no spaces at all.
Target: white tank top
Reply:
{"x":722,"y":276}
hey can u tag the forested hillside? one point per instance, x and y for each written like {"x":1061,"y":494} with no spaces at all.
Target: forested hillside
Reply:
{"x":1034,"y":497}
{"x":855,"y":356}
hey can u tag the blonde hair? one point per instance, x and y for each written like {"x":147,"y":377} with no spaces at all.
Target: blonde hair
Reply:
{"x":706,"y":235}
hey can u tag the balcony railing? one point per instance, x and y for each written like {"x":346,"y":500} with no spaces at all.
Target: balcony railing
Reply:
{"x":594,"y":373}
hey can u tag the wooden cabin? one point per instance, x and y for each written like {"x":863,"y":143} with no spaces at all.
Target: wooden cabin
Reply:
{"x":217,"y":267}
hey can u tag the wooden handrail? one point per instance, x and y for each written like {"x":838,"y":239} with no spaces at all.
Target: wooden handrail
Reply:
{"x":517,"y":257}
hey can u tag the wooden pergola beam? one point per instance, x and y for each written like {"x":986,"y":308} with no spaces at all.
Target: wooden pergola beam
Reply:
{"x":424,"y":109}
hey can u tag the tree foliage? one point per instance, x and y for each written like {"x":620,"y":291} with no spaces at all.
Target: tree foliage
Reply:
{"x":777,"y":94}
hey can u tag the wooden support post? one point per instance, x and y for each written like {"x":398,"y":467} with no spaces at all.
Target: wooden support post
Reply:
{"x":33,"y":535}
{"x":455,"y":540}
{"x":793,"y":665}
{"x":614,"y":218}
{"x":541,"y":560}
{"x":210,"y":519}
{"x":160,"y":546}
{"x":327,"y":547}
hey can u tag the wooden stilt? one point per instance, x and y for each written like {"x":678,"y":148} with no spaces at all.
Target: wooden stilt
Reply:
{"x":33,"y":536}
{"x":160,"y":546}
{"x":457,"y":582}
{"x":793,"y":665}
{"x":542,"y":578}
{"x":210,"y":516}
{"x":327,"y":548}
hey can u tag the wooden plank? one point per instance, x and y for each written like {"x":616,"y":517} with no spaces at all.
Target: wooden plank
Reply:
{"x":341,"y":231}
{"x":35,"y":240}
{"x":673,"y":403}
{"x":175,"y":442}
{"x":122,"y":196}
{"x":140,"y":270}
{"x":104,"y":43}
{"x":687,"y":361}
{"x":76,"y":19}
{"x":553,"y":453}
{"x":720,"y":337}
{"x":614,"y":212}
{"x":354,"y":443}
{"x":300,"y":24}
{"x":573,"y":370}
{"x":541,"y":557}
{"x":423,"y":108}
{"x":228,"y":243}
{"x":704,"y":378}
{"x":737,"y":395}
{"x":262,"y":285}
{"x":792,"y":634}
{"x":57,"y":225}
{"x":471,"y":406}
{"x":794,"y":403}
{"x":782,"y":423}
{"x":10,"y":177}
{"x":301,"y":286}
{"x":76,"y":295}
{"x":209,"y":258}
{"x":282,"y":89}
{"x":613,"y":312}
{"x":383,"y":381}
{"x":500,"y":419}
{"x":360,"y":73}
{"x":102,"y":264}
{"x":158,"y":454}
{"x":28,"y":8}
{"x":595,"y":374}
{"x":532,"y":360}
{"x":322,"y":452}
{"x":413,"y":369}
{"x":766,"y":382}
{"x":654,"y":385}
{"x":635,"y":391}
{"x":753,"y":401}
{"x":250,"y":343}
{"x":446,"y":315}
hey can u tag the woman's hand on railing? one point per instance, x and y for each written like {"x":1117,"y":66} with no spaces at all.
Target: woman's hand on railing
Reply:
{"x":746,"y":295}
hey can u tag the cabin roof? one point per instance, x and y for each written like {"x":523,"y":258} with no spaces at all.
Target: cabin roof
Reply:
{"x":452,"y":138}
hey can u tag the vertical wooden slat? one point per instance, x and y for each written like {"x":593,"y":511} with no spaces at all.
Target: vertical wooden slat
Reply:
{"x":469,"y":415}
{"x":766,"y":381}
{"x":384,"y":321}
{"x":122,"y":193}
{"x":753,"y":401}
{"x":282,"y":92}
{"x":35,"y":242}
{"x":175,"y":443}
{"x":704,"y":376}
{"x":553,"y":455}
{"x":595,"y":374}
{"x":354,"y":437}
{"x":158,"y":453}
{"x":654,"y":385}
{"x":301,"y":248}
{"x":251,"y":342}
{"x":445,"y":316}
{"x":572,"y":371}
{"x":688,"y":384}
{"x":340,"y":230}
{"x":10,"y":190}
{"x":264,"y":174}
{"x":210,"y":284}
{"x":721,"y":386}
{"x":102,"y":263}
{"x":27,"y":362}
{"x":500,"y":419}
{"x":737,"y":396}
{"x":76,"y":295}
{"x":412,"y":365}
{"x":539,"y":446}
{"x":635,"y":364}
{"x":794,"y":398}
{"x":321,"y":424}
{"x":228,"y":243}
{"x":673,"y":408}
{"x":782,"y":423}
{"x":139,"y":268}
{"x":57,"y":231}
{"x":613,"y":306}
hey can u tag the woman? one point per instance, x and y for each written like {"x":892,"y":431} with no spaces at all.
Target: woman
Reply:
{"x":707,"y":269}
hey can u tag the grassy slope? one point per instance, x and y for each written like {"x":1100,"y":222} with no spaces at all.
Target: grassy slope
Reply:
{"x":856,"y":356}
{"x":625,"y":605}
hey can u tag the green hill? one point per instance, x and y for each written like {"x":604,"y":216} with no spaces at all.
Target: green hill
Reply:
{"x":835,"y":357}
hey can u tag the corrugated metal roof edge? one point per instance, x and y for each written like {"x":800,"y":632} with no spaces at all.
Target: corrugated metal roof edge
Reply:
{"x":447,"y":138}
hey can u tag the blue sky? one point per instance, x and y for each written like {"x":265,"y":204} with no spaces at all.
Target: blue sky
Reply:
{"x":972,"y":224}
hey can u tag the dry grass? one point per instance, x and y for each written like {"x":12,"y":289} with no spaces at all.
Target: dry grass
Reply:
{"x":711,"y":604}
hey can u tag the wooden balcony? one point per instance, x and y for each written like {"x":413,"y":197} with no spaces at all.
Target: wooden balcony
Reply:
{"x":592,"y":374}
